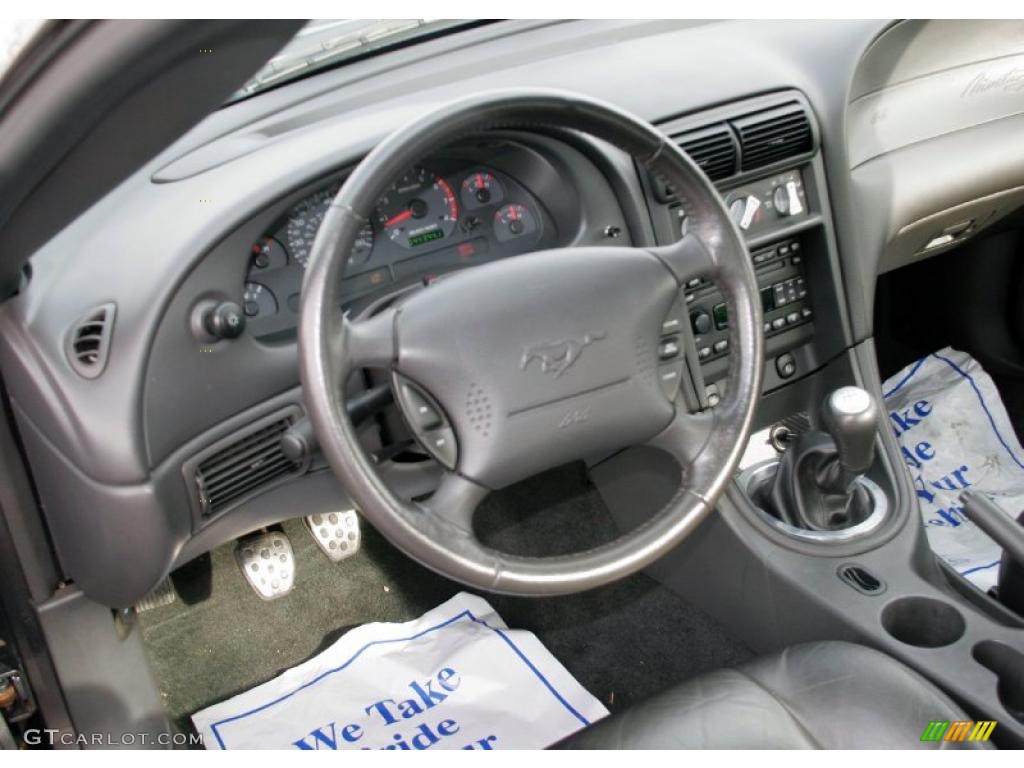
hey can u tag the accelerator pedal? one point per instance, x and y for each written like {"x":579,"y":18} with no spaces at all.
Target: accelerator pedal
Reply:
{"x":268,"y":563}
{"x":162,"y":594}
{"x":336,"y":533}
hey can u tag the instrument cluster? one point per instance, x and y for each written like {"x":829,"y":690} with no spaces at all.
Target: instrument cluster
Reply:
{"x":427,"y":222}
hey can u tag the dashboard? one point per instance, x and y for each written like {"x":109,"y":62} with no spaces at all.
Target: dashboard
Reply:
{"x":122,"y":427}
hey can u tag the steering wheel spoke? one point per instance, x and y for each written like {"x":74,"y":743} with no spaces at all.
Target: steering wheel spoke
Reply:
{"x":686,"y":436}
{"x":687,"y":258}
{"x":368,"y":343}
{"x":456,"y":500}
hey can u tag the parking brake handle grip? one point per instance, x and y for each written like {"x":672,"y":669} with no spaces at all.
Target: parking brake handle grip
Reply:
{"x":1003,"y":529}
{"x":851,"y":417}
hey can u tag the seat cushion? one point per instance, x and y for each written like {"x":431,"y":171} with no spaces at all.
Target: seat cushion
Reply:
{"x":829,"y":695}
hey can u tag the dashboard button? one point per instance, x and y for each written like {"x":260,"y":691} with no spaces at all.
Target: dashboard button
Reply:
{"x":441,"y":443}
{"x":785,"y":365}
{"x":713,"y":395}
{"x":793,"y":317}
{"x":669,"y":377}
{"x":670,"y":326}
{"x":668,"y":349}
{"x":704,"y":353}
{"x":778,"y":322}
{"x":701,"y":321}
{"x":423,"y":415}
{"x":720,"y":346}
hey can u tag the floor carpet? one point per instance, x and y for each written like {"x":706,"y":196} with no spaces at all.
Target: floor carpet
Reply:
{"x":624,"y":642}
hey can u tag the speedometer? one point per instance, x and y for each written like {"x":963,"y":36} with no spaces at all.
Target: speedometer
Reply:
{"x":418,"y":209}
{"x":304,"y":222}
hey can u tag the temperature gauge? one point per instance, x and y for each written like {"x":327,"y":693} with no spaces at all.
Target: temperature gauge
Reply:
{"x":362,"y":247}
{"x":268,"y":253}
{"x":512,"y":221}
{"x":480,"y":189}
{"x":258,"y":301}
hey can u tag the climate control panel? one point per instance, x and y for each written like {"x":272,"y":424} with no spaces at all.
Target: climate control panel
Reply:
{"x":765,"y":204}
{"x":785,"y":299}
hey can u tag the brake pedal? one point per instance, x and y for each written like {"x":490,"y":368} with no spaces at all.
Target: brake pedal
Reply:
{"x":268,"y":563}
{"x":162,"y":594}
{"x":336,"y":533}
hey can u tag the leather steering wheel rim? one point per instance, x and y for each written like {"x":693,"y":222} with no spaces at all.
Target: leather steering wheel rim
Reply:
{"x":555,"y":288}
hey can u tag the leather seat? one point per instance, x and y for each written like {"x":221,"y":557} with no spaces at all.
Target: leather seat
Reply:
{"x":828,"y":695}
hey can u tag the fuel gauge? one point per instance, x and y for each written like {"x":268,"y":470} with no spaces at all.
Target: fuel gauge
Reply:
{"x":258,"y":301}
{"x":512,"y":221}
{"x":480,"y":189}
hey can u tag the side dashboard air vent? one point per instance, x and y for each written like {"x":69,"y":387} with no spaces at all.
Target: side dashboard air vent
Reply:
{"x":773,"y":135}
{"x":712,"y":148}
{"x":247,"y":462}
{"x":88,"y":341}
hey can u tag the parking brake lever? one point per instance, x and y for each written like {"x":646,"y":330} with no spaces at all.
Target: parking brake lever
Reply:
{"x":1008,"y":534}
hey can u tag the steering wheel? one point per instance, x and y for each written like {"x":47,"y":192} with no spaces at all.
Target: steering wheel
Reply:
{"x":527,"y":363}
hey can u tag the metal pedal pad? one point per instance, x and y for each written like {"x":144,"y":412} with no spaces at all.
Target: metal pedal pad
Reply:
{"x":268,"y":564}
{"x":162,"y":594}
{"x":336,"y":533}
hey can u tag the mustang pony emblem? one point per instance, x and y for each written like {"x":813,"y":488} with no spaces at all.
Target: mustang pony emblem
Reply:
{"x":556,"y":358}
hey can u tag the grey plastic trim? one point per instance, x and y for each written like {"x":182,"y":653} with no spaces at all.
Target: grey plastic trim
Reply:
{"x":749,"y":477}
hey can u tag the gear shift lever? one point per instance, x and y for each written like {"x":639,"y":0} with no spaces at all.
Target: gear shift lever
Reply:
{"x":816,"y":484}
{"x":851,"y":417}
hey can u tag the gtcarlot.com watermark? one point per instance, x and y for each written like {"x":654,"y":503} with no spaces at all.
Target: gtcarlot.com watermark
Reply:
{"x":52,"y":737}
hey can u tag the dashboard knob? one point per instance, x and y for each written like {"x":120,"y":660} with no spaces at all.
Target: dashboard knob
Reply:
{"x":701,"y":322}
{"x":743,"y":210}
{"x":225,"y":321}
{"x":780,"y":197}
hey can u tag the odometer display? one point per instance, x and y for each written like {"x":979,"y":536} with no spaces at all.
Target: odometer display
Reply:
{"x":425,"y":237}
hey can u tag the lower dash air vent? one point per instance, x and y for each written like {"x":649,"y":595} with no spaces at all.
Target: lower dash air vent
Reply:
{"x":248,"y":462}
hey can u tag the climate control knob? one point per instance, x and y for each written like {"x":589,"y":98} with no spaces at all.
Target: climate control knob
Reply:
{"x":743,"y":210}
{"x":700,"y":321}
{"x":780,"y":198}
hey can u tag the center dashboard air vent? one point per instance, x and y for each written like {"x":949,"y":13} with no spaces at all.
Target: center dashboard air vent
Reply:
{"x":772,"y":135}
{"x":738,"y":138}
{"x":712,"y":148}
{"x":249,"y":461}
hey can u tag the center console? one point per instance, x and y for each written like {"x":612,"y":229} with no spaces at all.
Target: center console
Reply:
{"x":820,"y":536}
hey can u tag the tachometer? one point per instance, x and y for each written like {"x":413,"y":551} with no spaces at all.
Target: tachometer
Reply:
{"x":417,"y":209}
{"x":304,"y":221}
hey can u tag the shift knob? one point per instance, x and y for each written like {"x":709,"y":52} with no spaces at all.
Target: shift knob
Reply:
{"x":851,"y":417}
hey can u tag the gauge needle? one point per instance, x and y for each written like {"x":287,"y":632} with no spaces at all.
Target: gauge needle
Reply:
{"x":398,"y":218}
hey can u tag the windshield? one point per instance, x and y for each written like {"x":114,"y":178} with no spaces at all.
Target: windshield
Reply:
{"x":324,"y":43}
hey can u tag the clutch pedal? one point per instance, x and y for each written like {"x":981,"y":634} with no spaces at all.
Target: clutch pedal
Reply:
{"x":268,"y":563}
{"x":336,"y":533}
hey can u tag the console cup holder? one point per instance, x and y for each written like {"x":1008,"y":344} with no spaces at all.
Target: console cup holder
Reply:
{"x":923,"y":622}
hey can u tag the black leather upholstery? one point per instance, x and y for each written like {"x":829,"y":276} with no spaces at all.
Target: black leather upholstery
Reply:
{"x":829,"y":695}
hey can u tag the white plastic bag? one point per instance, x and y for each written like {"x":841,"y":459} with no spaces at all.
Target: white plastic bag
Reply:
{"x":456,"y":678}
{"x":955,"y":434}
